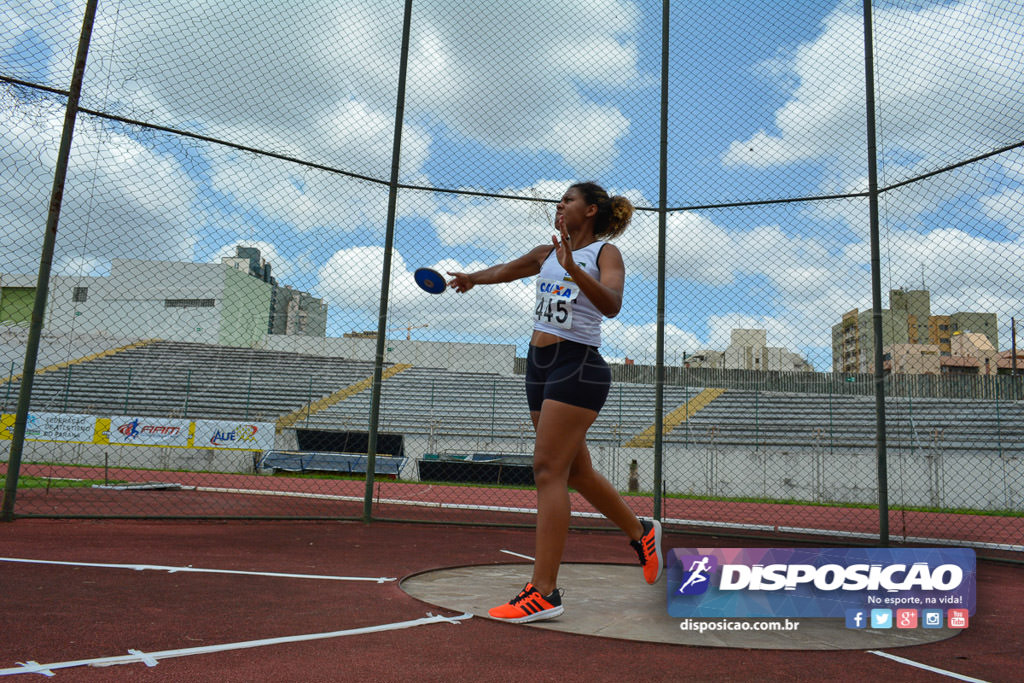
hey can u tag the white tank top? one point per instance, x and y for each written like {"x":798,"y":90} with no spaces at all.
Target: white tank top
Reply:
{"x":562,"y":309}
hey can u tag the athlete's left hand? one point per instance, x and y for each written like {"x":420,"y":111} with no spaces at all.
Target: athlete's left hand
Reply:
{"x":563,"y":247}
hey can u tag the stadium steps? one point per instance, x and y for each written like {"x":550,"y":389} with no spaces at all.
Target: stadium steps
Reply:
{"x":675,"y":418}
{"x":310,"y":409}
{"x":79,"y":361}
{"x":183,"y":379}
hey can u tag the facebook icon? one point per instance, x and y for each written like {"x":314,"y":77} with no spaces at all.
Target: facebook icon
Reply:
{"x":856,"y":618}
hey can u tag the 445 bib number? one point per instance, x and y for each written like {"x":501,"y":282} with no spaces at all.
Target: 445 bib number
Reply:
{"x":554,"y":302}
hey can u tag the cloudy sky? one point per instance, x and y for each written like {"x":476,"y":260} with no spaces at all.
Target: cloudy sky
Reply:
{"x":520,"y":99}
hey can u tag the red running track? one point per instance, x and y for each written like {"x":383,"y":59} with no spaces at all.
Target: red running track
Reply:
{"x":60,"y":613}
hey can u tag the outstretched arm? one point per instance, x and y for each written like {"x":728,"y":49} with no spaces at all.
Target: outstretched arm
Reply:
{"x":526,"y":265}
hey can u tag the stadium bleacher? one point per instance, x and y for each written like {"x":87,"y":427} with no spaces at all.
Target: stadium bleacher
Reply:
{"x":180,"y":379}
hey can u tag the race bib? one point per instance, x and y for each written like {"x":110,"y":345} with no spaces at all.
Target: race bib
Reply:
{"x":554,"y":302}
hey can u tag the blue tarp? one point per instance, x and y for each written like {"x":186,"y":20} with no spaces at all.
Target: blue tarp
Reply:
{"x":299,"y":461}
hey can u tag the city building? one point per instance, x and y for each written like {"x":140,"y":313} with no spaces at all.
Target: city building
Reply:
{"x":912,"y":359}
{"x":292,"y":312}
{"x":748,"y":350}
{"x":853,"y":339}
{"x":228,"y":303}
{"x":906,"y":324}
{"x":972,"y":353}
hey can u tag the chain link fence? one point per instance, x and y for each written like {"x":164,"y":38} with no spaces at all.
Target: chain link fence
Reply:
{"x":823,"y":272}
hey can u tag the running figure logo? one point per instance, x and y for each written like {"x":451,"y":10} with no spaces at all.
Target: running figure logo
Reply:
{"x":130,"y":429}
{"x":697,"y":575}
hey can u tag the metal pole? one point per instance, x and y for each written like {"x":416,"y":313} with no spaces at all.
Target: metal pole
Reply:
{"x":757,"y":399}
{"x":309,"y":400}
{"x":67,"y":388}
{"x":659,"y":364}
{"x":686,"y":398}
{"x":45,"y":264}
{"x":831,"y":426}
{"x":128,"y":390}
{"x":248,"y":396}
{"x":1013,"y":362}
{"x":188,"y":389}
{"x":876,"y":281}
{"x":10,"y":381}
{"x":385,"y":276}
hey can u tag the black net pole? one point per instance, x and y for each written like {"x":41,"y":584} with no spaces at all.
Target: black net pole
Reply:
{"x":385,"y":277}
{"x":45,"y":264}
{"x":659,"y":367}
{"x":876,"y":282}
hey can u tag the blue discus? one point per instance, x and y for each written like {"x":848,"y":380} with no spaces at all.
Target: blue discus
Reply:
{"x":430,"y":280}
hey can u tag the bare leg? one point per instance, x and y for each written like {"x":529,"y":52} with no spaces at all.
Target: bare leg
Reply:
{"x":561,"y":430}
{"x":599,"y":492}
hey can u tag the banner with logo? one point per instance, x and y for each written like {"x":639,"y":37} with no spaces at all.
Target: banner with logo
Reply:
{"x":818,"y":582}
{"x":249,"y":436}
{"x":149,"y":431}
{"x":66,"y":427}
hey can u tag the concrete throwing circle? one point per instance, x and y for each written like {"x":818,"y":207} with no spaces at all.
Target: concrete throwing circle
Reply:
{"x":613,"y":601}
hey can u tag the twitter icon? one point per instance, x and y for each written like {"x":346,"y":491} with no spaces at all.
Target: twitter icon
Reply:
{"x":881,"y":618}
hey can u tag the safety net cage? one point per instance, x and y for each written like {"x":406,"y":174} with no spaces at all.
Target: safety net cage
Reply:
{"x":216,"y":217}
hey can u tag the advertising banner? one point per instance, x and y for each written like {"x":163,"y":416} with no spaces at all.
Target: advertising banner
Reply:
{"x":149,"y":431}
{"x":66,"y":427}
{"x":249,"y":436}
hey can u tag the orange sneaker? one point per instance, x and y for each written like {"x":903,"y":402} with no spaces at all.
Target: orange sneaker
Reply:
{"x":529,"y":605}
{"x":648,"y":549}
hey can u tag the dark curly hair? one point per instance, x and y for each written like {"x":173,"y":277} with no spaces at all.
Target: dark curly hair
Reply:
{"x":613,"y":213}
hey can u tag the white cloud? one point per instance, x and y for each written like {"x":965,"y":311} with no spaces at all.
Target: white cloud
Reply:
{"x":318,"y":80}
{"x":506,"y":227}
{"x":520,"y":62}
{"x":122,"y":198}
{"x":927,"y":65}
{"x":1006,"y":207}
{"x":965,"y":271}
{"x":639,"y":342}
{"x":350,"y":281}
{"x":51,"y":23}
{"x":303,"y":198}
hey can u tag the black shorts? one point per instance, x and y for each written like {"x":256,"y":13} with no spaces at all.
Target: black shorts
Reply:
{"x":569,"y":372}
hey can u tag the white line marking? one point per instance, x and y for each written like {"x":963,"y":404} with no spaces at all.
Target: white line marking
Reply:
{"x":525,"y":557}
{"x":151,"y":658}
{"x":172,"y":570}
{"x":910,"y":662}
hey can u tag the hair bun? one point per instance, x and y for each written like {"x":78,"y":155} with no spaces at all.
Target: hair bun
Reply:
{"x":621,"y":210}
